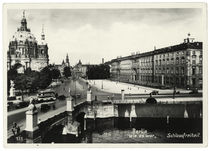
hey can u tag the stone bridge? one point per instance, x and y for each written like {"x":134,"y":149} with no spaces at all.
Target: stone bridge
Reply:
{"x":74,"y":118}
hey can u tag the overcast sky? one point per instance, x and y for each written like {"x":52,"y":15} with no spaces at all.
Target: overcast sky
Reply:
{"x":93,"y":34}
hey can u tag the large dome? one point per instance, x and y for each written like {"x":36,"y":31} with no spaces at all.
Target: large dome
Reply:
{"x":22,"y":36}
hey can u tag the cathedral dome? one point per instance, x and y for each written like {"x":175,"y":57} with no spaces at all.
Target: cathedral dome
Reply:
{"x":23,"y":36}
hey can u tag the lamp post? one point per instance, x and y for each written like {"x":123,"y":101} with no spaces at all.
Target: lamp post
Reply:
{"x":102,"y":85}
{"x":75,"y":91}
{"x":174,"y":92}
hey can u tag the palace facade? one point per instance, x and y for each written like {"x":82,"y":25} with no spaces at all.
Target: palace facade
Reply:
{"x":179,"y":65}
{"x":25,"y":50}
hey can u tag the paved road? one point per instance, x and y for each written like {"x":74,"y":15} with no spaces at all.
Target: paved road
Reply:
{"x":18,"y":115}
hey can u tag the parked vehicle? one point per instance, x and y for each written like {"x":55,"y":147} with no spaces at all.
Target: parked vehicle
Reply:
{"x":45,"y":96}
{"x":155,"y":92}
{"x":194,"y":91}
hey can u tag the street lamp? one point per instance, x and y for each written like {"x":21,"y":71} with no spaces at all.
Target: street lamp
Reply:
{"x":102,"y":84}
{"x":75,"y":80}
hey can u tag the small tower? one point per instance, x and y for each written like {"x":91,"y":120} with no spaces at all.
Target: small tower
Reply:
{"x":79,"y":62}
{"x":189,"y":39}
{"x":63,"y":63}
{"x":67,"y":60}
{"x":23,"y":26}
{"x":43,"y":36}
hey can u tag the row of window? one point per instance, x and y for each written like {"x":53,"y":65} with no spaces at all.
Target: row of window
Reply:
{"x":181,"y":53}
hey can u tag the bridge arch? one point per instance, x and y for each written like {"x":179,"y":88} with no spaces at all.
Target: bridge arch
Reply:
{"x":81,"y":119}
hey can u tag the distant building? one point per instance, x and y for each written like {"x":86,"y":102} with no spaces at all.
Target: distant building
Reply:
{"x":25,"y":50}
{"x":64,"y":64}
{"x":178,"y":65}
{"x":81,"y":69}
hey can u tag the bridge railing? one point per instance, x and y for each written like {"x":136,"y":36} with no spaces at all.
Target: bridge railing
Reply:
{"x":51,"y":121}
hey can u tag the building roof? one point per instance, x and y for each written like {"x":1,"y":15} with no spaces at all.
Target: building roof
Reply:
{"x":179,"y":47}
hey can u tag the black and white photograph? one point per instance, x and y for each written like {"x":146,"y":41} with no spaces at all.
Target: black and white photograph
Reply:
{"x":105,"y":74}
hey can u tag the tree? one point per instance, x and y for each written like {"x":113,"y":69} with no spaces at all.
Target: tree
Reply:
{"x":55,"y":73}
{"x":22,"y":83}
{"x":98,"y":71}
{"x":45,"y":78}
{"x":67,"y":72}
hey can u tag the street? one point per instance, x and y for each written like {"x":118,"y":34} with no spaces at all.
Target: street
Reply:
{"x":18,"y":115}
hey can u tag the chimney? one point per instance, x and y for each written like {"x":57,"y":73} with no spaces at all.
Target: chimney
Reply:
{"x":123,"y":95}
{"x":102,"y":60}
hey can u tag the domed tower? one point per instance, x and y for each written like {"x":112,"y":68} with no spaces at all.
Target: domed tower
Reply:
{"x":23,"y":26}
{"x":43,"y":49}
{"x":24,"y":49}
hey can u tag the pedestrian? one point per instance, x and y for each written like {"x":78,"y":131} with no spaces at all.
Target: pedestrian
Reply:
{"x":15,"y":129}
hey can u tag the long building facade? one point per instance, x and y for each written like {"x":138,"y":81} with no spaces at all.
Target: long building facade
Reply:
{"x":174,"y":66}
{"x":25,"y":50}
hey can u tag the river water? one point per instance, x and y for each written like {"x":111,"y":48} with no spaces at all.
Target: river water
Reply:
{"x":121,"y":130}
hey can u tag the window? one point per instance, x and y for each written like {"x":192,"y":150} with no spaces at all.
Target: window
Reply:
{"x":172,"y":60}
{"x":182,"y":52}
{"x":194,"y":52}
{"x":172,"y":80}
{"x":177,"y":60}
{"x":182,"y":70}
{"x":167,"y":70}
{"x":177,"y":53}
{"x":183,"y":60}
{"x":200,"y":70}
{"x":167,"y":61}
{"x":163,"y":70}
{"x":23,"y":51}
{"x":177,"y":70}
{"x":200,"y":61}
{"x":193,"y":70}
{"x":172,"y":70}
{"x":194,"y":56}
{"x":193,"y":61}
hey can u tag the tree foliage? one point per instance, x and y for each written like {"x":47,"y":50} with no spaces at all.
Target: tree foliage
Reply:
{"x":98,"y":71}
{"x":55,"y":73}
{"x":32,"y":80}
{"x":45,"y":78}
{"x":67,"y":72}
